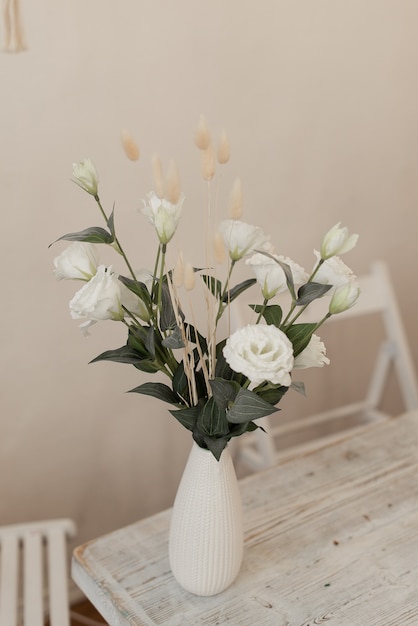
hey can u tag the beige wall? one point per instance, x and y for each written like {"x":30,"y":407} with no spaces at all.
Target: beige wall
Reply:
{"x":319,"y":99}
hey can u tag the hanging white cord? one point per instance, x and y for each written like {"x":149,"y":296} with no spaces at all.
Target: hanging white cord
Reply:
{"x":14,"y":40}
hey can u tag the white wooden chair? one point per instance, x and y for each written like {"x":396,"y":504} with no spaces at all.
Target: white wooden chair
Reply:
{"x":258,"y":450}
{"x":33,"y":558}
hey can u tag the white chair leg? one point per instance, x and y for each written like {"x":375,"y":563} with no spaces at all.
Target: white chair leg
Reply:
{"x":9,"y":580}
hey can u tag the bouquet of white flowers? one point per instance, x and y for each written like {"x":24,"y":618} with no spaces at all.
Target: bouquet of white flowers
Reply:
{"x":217,"y":388}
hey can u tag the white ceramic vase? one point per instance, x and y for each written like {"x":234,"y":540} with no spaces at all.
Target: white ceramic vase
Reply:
{"x":206,"y":532}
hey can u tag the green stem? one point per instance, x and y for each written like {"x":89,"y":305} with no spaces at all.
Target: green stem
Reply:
{"x":293,"y":307}
{"x":293,"y":320}
{"x":163,"y":248}
{"x":311,"y":277}
{"x":154,"y":275}
{"x":118,"y":247}
{"x":222,"y":304}
{"x":263,"y":308}
{"x":324,"y":319}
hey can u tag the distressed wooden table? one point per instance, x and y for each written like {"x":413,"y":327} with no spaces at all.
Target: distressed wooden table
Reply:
{"x":331,"y":537}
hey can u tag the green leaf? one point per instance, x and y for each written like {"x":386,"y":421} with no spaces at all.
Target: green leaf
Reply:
{"x":212,"y":420}
{"x":146,"y":365}
{"x":138,"y":288}
{"x":174,"y":340}
{"x":272,"y":313}
{"x":137,"y":337}
{"x":111,"y":223}
{"x":213,"y":284}
{"x":150,"y":343}
{"x":216,"y":445}
{"x":248,"y":406}
{"x":187,"y":417}
{"x":238,"y":290}
{"x":179,"y":381}
{"x":224,"y":392}
{"x":300,"y":335}
{"x":95,"y":234}
{"x":159,"y":391}
{"x":168,"y":318}
{"x":310,"y":292}
{"x":181,"y":386}
{"x":239,"y":429}
{"x":125,"y":354}
{"x":272,"y":394}
{"x":298,"y":386}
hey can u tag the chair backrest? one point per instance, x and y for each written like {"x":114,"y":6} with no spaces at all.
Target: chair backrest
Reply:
{"x":27,"y":552}
{"x":377,"y":297}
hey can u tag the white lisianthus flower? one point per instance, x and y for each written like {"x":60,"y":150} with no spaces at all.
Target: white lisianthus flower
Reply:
{"x":337,"y":241}
{"x":270,"y":275}
{"x":313,"y":355}
{"x":78,"y":261}
{"x":260,"y":352}
{"x":100,"y":298}
{"x":242,"y":239}
{"x":333,"y":272}
{"x":344,"y":298}
{"x":164,"y":215}
{"x":85,"y":175}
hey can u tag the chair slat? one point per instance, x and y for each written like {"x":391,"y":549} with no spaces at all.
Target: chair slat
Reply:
{"x":9,"y":572}
{"x":33,"y":579}
{"x":57,"y":575}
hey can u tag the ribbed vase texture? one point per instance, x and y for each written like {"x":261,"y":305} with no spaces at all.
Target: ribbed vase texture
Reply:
{"x":206,"y":532}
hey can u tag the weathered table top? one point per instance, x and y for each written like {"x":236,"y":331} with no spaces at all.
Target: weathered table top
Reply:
{"x":331,"y":537}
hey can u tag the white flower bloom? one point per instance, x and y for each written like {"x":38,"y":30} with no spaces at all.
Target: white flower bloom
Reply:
{"x":261,"y":353}
{"x":164,"y":215}
{"x":79,"y":261}
{"x":344,"y":298}
{"x":337,"y":241}
{"x":313,"y":355}
{"x":333,"y":272}
{"x":85,"y":175}
{"x":99,"y":299}
{"x":270,"y":275}
{"x":242,"y":239}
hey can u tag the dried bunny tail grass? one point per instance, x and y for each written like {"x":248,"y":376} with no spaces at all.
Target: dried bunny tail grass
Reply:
{"x":202,"y":136}
{"x":188,"y":359}
{"x":14,"y":38}
{"x":157,"y":171}
{"x":173,"y":192}
{"x":129,"y":145}
{"x":178,"y":271}
{"x":189,"y":277}
{"x":235,"y":201}
{"x":208,"y":164}
{"x":219,"y":251}
{"x":224,"y":151}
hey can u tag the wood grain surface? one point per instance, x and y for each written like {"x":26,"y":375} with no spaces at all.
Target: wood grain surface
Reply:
{"x":331,"y":537}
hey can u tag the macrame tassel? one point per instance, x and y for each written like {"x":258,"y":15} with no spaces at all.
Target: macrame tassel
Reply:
{"x":14,"y":40}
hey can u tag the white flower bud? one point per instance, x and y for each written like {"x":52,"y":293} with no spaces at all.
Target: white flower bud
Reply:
{"x":337,"y":241}
{"x":344,"y":298}
{"x":85,"y":176}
